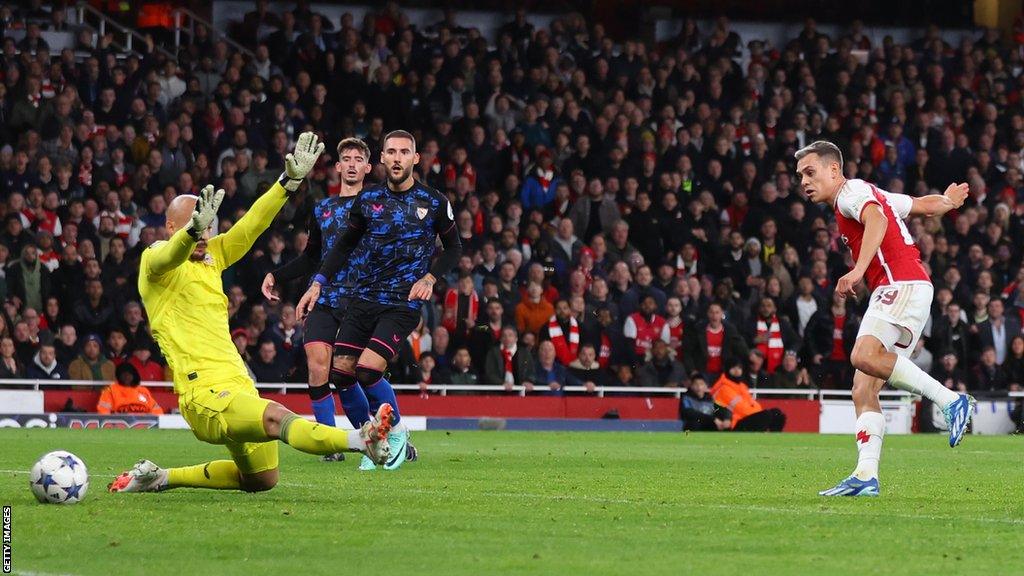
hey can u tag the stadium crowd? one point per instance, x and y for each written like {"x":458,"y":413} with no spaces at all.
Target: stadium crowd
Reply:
{"x":629,"y":211}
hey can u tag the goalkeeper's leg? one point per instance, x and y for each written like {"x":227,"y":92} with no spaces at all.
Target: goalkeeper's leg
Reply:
{"x":301,"y":434}
{"x":248,"y":426}
{"x":251,"y":418}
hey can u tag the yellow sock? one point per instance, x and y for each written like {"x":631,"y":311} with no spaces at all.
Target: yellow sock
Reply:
{"x":313,"y":438}
{"x":219,"y":475}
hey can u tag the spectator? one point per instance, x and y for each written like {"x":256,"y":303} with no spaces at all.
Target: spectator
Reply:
{"x":259,"y":172}
{"x":240,"y":337}
{"x":698,"y":410}
{"x":142,"y":360}
{"x":1013,"y":367}
{"x":10,"y":366}
{"x":461,"y":307}
{"x":267,"y":366}
{"x":619,"y":249}
{"x":487,"y":333}
{"x":951,"y":332}
{"x":642,"y":221}
{"x":126,"y":395}
{"x":67,"y":280}
{"x":94,"y":313}
{"x":134,"y":324}
{"x":672,"y":332}
{"x":540,"y":274}
{"x":462,"y":372}
{"x":998,"y":331}
{"x":949,"y":373}
{"x":563,"y":330}
{"x":117,"y":346}
{"x":988,"y":376}
{"x":643,"y":328}
{"x":534,"y":311}
{"x":539,"y":187}
{"x":67,"y":345}
{"x":660,"y":370}
{"x":713,"y":346}
{"x":549,"y":373}
{"x":642,"y":289}
{"x":593,"y":214}
{"x":566,"y":247}
{"x":429,"y":373}
{"x":587,"y":369}
{"x":45,"y":366}
{"x":286,"y":334}
{"x":772,"y":335}
{"x":801,"y":308}
{"x":509,"y":364}
{"x":28,"y":279}
{"x":789,"y":374}
{"x":90,"y":364}
{"x":25,"y":342}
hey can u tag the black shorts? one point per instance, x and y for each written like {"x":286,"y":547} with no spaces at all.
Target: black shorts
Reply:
{"x":379,"y":327}
{"x":323,"y":323}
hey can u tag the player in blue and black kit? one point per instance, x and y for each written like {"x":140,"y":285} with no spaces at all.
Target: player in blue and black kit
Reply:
{"x":327,"y":224}
{"x":388,"y":248}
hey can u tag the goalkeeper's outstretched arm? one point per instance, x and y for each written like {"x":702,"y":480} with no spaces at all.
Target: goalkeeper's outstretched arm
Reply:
{"x":234,"y":243}
{"x":166,"y":256}
{"x":188,"y":219}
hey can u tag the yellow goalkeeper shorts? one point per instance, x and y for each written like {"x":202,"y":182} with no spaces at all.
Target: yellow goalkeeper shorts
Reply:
{"x":231,"y":413}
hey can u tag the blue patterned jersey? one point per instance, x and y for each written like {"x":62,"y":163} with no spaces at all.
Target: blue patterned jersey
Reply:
{"x":398,"y":242}
{"x":331,"y":221}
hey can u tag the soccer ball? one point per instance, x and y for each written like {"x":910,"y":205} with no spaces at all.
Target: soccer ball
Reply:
{"x":59,"y":478}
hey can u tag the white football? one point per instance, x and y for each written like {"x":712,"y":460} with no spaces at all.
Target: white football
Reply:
{"x":59,"y":478}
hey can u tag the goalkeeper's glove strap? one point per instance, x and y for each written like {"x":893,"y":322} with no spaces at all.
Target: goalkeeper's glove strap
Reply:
{"x":288,"y":183}
{"x":193,"y":232}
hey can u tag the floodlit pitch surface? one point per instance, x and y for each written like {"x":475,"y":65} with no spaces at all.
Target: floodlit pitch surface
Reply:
{"x":536,"y":503}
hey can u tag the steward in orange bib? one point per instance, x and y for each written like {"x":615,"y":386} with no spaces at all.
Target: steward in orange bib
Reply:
{"x":732,"y":394}
{"x":127,"y":395}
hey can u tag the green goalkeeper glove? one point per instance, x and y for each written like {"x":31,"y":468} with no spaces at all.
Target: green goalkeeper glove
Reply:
{"x":300,"y":162}
{"x":204,"y":213}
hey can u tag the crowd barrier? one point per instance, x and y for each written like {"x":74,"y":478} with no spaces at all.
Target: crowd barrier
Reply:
{"x":462,"y":407}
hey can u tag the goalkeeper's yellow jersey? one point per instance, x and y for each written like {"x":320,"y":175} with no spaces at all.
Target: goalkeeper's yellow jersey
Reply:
{"x":185,"y":299}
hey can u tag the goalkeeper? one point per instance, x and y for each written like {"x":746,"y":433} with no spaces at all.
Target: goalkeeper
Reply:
{"x":180,"y":283}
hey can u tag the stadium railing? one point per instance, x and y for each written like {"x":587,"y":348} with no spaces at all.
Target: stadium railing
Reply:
{"x":185,"y":22}
{"x":129,"y":36}
{"x":444,"y":389}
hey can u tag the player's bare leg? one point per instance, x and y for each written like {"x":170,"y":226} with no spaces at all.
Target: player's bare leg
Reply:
{"x":870,"y":429}
{"x":873,"y":357}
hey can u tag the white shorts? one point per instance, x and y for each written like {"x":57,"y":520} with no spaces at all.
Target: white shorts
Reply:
{"x":897,"y":313}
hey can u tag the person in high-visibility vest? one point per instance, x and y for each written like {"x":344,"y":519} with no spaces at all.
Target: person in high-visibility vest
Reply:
{"x":748,"y":415}
{"x":127,"y":395}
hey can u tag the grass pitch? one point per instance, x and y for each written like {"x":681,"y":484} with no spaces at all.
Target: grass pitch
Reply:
{"x":535,"y":503}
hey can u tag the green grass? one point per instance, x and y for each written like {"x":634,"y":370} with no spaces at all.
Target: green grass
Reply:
{"x":536,"y":503}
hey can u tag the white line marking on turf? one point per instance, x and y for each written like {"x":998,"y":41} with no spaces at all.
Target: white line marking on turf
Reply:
{"x":30,"y":573}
